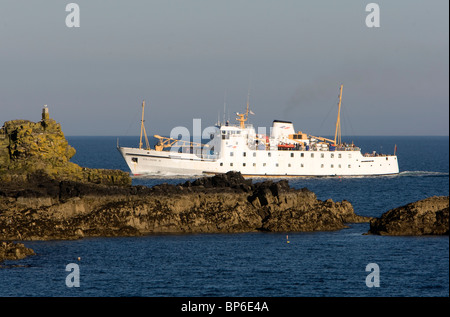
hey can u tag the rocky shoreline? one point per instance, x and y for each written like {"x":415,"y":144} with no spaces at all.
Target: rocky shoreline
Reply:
{"x":44,"y":208}
{"x":222,"y":203}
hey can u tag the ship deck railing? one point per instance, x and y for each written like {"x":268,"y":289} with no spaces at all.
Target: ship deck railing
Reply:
{"x":325,"y":149}
{"x":232,"y":125}
{"x":376,"y":155}
{"x":211,"y":157}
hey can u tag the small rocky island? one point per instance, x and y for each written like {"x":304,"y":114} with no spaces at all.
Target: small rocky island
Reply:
{"x":14,"y":251}
{"x":40,"y":148}
{"x":424,"y":217}
{"x":44,"y":196}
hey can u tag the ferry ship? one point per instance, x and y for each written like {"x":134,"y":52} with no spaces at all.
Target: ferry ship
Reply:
{"x":238,"y":147}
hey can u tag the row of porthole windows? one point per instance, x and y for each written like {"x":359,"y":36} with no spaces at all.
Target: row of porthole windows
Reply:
{"x":289,"y":165}
{"x":301,"y":165}
{"x":322,"y":155}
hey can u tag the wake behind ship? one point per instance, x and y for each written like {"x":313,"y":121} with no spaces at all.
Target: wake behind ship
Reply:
{"x":282,"y":153}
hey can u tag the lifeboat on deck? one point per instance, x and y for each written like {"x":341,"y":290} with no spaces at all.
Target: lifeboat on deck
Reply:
{"x":286,"y":146}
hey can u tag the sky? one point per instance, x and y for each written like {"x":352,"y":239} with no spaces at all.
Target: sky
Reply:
{"x":189,"y":58}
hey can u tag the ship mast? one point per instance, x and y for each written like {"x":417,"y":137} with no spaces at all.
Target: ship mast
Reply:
{"x":337,"y":133}
{"x":143,"y":130}
{"x":244,"y":116}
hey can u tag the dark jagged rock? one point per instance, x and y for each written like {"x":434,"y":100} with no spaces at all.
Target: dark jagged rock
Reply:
{"x":231,"y":179}
{"x":222,"y":203}
{"x":13,"y":251}
{"x":429,"y":216}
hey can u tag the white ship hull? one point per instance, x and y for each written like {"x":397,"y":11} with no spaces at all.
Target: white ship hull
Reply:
{"x":260,"y":163}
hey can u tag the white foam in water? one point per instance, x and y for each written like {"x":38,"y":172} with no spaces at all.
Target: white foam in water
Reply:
{"x":165,"y":175}
{"x":422,"y":173}
{"x":178,"y":175}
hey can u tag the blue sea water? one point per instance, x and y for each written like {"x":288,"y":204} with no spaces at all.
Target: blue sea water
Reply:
{"x":319,"y":264}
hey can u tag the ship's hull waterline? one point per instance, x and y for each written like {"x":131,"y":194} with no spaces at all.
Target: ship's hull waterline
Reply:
{"x":261,"y":163}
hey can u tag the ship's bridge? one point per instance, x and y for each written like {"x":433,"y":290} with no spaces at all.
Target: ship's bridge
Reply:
{"x":228,"y":131}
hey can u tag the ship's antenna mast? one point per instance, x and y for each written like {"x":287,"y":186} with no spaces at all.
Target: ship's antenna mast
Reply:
{"x":244,"y":116}
{"x":337,"y":133}
{"x":143,"y":129}
{"x":224,"y":105}
{"x":248,"y":100}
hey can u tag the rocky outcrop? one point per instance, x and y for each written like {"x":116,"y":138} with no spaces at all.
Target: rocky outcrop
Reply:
{"x":40,"y":147}
{"x":429,"y":216}
{"x":222,"y":203}
{"x":13,"y":251}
